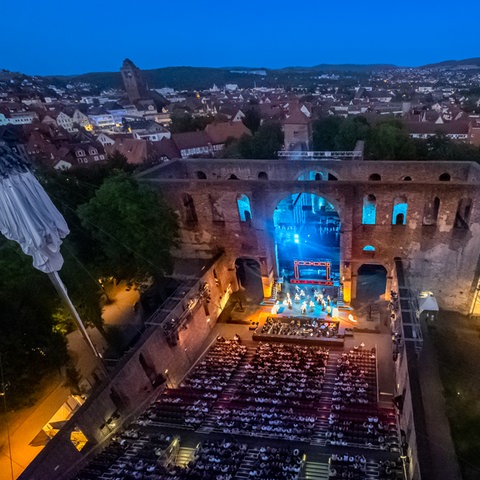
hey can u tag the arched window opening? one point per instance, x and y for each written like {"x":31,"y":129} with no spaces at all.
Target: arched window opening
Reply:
{"x":407,"y":179}
{"x":263,"y":176}
{"x":445,"y":177}
{"x":201,"y":175}
{"x":312,"y":175}
{"x":462,"y":217}
{"x":431,"y":210}
{"x":400,"y":207}
{"x":332,"y":178}
{"x":244,"y":208}
{"x":233,"y":177}
{"x":369,"y":210}
{"x":375,"y":177}
{"x":191,"y":218}
{"x":368,"y":248}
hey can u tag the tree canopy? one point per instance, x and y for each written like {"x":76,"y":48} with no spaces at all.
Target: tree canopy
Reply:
{"x":265,"y":143}
{"x":134,"y":228}
{"x":30,"y":343}
{"x":128,"y":233}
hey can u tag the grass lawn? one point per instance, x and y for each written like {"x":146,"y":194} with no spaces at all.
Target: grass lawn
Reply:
{"x":457,"y":341}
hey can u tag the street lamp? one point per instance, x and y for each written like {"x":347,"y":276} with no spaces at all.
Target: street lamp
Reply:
{"x":28,"y":216}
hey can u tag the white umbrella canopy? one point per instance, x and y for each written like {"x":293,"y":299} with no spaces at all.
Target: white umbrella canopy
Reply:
{"x":28,"y":216}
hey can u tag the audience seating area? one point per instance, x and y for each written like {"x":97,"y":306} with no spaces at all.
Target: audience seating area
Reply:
{"x":132,"y":455}
{"x":357,"y":467}
{"x":269,"y":391}
{"x":355,"y":418}
{"x":277,"y":464}
{"x":188,"y":405}
{"x":277,"y":393}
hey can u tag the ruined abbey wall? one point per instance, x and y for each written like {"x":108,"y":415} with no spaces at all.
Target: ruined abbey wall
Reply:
{"x":440,"y":249}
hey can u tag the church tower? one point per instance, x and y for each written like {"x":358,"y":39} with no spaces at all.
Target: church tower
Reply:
{"x":133,"y":80}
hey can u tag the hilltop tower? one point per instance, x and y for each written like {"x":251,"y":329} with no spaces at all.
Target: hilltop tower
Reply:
{"x":133,"y":80}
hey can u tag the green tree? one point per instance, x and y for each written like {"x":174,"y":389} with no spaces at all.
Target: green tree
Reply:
{"x":266,"y":142}
{"x":30,"y":344}
{"x":134,"y":228}
{"x":389,"y":141}
{"x":440,"y":147}
{"x":324,"y":132}
{"x":185,"y":122}
{"x":350,"y":131}
{"x":252,"y":119}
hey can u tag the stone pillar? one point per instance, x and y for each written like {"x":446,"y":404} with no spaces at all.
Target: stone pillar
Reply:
{"x":388,"y":287}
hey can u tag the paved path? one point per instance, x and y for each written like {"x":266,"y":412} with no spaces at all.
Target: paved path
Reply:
{"x":25,"y":424}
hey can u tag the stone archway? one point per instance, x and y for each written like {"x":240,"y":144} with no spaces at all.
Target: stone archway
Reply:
{"x":307,"y":230}
{"x":372,"y":282}
{"x":249,"y":278}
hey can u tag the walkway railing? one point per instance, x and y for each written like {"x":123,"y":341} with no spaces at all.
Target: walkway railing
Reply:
{"x":328,"y":155}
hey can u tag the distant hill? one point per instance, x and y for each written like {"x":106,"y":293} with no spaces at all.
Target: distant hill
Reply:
{"x":455,"y":64}
{"x":346,"y":67}
{"x":185,"y":78}
{"x":189,"y":78}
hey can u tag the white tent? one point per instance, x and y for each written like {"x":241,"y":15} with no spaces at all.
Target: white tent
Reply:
{"x":427,"y":307}
{"x":428,"y":303}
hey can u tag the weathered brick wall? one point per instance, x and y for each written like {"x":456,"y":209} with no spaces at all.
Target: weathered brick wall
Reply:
{"x":438,"y":257}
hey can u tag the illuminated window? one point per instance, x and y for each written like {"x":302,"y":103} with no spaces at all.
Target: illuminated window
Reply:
{"x":399,"y":214}
{"x":368,"y":248}
{"x":369,"y":210}
{"x":244,"y":208}
{"x":312,"y":175}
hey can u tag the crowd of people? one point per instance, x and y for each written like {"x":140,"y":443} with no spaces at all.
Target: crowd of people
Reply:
{"x":277,"y":464}
{"x":278,"y":393}
{"x":355,"y":418}
{"x":213,"y":460}
{"x":273,"y":393}
{"x":266,"y":422}
{"x":355,"y":382}
{"x":357,"y":467}
{"x":286,"y":371}
{"x":189,"y":404}
{"x":132,"y":456}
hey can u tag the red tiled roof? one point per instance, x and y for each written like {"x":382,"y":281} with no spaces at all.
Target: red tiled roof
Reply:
{"x":220,"y":132}
{"x":187,"y":140}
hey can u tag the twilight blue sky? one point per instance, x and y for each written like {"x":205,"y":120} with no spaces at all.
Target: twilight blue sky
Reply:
{"x":66,"y":36}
